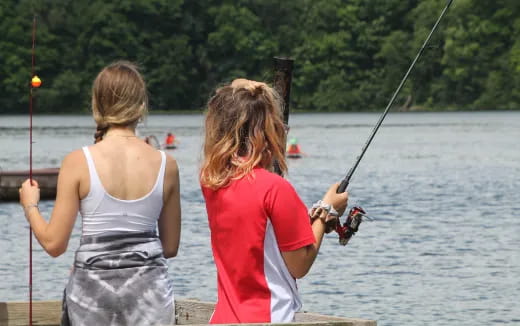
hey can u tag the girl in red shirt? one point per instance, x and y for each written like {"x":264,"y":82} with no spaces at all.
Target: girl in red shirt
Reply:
{"x":261,"y":234}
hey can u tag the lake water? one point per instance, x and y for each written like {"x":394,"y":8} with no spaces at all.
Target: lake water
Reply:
{"x":443,"y":187}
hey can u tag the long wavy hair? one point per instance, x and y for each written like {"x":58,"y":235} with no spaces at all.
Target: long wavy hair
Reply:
{"x":119,"y":97}
{"x":243,"y":129}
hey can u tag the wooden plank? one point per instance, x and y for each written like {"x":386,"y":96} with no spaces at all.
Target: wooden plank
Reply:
{"x":45,"y":313}
{"x":342,"y":322}
{"x":10,"y":181}
{"x":316,"y":318}
{"x":193,"y":312}
{"x":188,"y":312}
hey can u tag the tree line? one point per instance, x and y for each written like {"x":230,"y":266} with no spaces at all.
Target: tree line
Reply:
{"x":349,"y":54}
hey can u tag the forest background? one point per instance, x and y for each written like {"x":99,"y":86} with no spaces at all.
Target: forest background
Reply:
{"x":349,"y":54}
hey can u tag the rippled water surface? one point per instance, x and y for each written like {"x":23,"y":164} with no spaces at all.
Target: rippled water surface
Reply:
{"x":443,"y":187}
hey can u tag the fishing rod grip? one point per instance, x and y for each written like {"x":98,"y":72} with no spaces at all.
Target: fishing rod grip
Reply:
{"x":342,"y":186}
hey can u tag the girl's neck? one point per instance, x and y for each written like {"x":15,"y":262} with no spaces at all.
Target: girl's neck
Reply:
{"x":120,"y":131}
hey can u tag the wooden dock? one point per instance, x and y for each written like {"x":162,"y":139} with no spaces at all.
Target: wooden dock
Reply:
{"x":187,"y":312}
{"x":10,"y":182}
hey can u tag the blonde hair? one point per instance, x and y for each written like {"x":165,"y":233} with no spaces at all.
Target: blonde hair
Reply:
{"x":119,"y":97}
{"x":243,"y":129}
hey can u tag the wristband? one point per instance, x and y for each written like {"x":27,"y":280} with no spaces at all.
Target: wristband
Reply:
{"x":324,"y":206}
{"x":320,"y":209}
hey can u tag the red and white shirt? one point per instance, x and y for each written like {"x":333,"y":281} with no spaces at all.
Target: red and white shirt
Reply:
{"x":251,"y":221}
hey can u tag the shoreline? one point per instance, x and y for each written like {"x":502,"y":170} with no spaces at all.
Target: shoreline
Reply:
{"x":297,"y":111}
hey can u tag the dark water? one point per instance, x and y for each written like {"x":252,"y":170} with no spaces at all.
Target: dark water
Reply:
{"x":444,"y":188}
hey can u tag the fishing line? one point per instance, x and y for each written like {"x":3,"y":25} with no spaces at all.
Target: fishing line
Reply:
{"x":345,"y":182}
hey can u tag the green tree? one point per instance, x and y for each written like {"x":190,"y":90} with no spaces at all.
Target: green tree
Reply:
{"x":349,"y":54}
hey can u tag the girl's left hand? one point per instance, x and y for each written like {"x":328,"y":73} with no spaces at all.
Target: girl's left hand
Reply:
{"x":29,"y":194}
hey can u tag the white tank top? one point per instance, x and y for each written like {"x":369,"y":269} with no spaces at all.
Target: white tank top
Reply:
{"x":102,"y":213}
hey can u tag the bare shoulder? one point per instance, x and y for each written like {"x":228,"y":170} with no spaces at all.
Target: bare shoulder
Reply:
{"x":73,"y":168}
{"x":172,"y":169}
{"x":74,"y":159}
{"x":171,"y":177}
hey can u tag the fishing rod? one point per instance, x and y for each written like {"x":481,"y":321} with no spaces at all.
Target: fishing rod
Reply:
{"x":356,"y":214}
{"x":345,"y":182}
{"x":35,"y":83}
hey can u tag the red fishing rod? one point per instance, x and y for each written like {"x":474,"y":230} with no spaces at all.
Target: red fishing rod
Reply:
{"x":356,"y":214}
{"x":35,"y":83}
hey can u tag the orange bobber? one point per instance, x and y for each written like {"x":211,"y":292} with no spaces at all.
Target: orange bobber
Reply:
{"x":36,"y":82}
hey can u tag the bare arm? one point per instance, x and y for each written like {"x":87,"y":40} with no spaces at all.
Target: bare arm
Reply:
{"x":170,"y":219}
{"x":299,"y":261}
{"x":54,"y":235}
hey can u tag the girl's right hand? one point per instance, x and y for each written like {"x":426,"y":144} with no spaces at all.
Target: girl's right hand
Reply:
{"x":338,"y":201}
{"x":29,"y":193}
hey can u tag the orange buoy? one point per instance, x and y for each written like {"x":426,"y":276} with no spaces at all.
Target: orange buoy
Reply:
{"x":36,"y":82}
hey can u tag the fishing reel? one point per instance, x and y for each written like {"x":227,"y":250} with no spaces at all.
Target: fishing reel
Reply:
{"x":346,"y":230}
{"x":351,"y":225}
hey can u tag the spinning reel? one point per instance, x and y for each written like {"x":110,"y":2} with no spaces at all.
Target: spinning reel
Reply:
{"x":351,"y":225}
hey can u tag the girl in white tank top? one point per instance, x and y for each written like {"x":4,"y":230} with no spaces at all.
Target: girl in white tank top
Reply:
{"x":128,"y":196}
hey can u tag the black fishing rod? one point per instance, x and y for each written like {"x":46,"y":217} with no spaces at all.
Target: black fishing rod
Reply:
{"x":345,"y":182}
{"x":355,"y":216}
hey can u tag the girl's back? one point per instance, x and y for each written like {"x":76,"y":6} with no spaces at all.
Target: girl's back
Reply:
{"x":123,"y":186}
{"x":251,"y":220}
{"x":127,"y":167}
